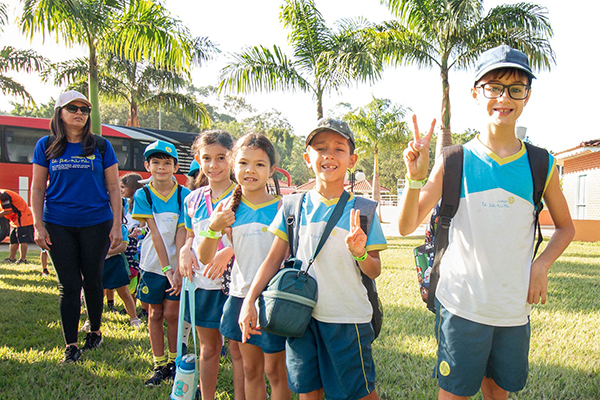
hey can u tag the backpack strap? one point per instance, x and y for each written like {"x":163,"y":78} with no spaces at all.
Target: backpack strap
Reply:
{"x":367,"y":209}
{"x":451,"y":188}
{"x":292,"y":207}
{"x":100,"y":143}
{"x":538,"y":162}
{"x":148,"y":195}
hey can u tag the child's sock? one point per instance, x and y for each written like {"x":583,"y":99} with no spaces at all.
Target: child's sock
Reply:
{"x":172,"y":357}
{"x":160,"y":361}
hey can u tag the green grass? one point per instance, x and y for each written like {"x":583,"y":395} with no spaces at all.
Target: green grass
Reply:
{"x":564,"y":357}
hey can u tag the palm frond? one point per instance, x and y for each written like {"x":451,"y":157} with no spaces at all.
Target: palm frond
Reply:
{"x":10,"y":87}
{"x":12,"y":59}
{"x":258,"y":68}
{"x":181,"y":104}
{"x":3,"y":15}
{"x":66,"y":71}
{"x":204,"y":50}
{"x":147,"y":31}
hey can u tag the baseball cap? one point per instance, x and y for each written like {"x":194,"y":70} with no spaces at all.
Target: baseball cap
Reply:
{"x":69,"y":96}
{"x":194,"y":167}
{"x":330,"y":124}
{"x":160,"y":146}
{"x":502,"y":56}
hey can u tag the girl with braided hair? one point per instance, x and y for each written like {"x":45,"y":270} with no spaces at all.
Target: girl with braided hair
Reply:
{"x":214,"y":185}
{"x":245,"y":220}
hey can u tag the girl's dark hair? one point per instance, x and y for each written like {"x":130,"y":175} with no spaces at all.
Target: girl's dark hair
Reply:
{"x":58,"y":130}
{"x":252,"y":141}
{"x":131,"y":180}
{"x":207,"y":138}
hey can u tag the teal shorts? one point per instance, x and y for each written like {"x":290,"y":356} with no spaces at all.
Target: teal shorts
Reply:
{"x":468,"y":351}
{"x":152,"y":288}
{"x":335,"y":357}
{"x":209,"y":308}
{"x":115,"y":273}
{"x":268,"y":342}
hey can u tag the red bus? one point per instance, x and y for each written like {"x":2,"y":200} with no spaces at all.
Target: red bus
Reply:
{"x":18,"y":136}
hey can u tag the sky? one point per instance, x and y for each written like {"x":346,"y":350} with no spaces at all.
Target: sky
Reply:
{"x":557,"y":116}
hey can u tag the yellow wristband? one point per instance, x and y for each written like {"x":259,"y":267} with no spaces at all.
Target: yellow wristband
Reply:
{"x":414,"y":184}
{"x":361,"y":258}
{"x":166,"y":268}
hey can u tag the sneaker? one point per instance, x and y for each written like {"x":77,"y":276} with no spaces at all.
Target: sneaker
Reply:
{"x":9,"y":261}
{"x":92,"y":341}
{"x":156,"y":378}
{"x":136,"y":323}
{"x":72,"y":355}
{"x":45,"y":273}
{"x":111,"y":307}
{"x":123,"y":312}
{"x":143,"y":314}
{"x":86,"y":326}
{"x":21,"y":261}
{"x":169,"y":370}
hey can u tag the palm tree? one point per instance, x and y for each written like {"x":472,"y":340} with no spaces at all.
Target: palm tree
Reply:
{"x":377,"y":125}
{"x":137,"y":29}
{"x":323,"y":59}
{"x":139,"y":84}
{"x":12,"y":59}
{"x":452,"y":33}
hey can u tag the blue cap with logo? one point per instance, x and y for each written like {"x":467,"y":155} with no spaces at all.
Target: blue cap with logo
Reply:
{"x":160,"y":146}
{"x":502,"y":56}
{"x":194,"y":167}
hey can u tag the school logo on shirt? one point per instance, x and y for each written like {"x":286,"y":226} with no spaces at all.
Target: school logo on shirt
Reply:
{"x":511,"y":200}
{"x":91,"y":157}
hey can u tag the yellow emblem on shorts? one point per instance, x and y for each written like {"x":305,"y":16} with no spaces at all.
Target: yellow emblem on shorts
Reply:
{"x":145,"y":290}
{"x":444,"y":368}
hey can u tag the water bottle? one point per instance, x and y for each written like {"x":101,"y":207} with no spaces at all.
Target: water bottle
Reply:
{"x":184,"y":384}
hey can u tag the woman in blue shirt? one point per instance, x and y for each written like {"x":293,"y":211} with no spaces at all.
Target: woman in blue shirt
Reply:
{"x":77,"y":215}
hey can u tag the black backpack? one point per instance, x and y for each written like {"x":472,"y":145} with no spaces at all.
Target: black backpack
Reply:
{"x":367,"y":213}
{"x":429,"y":255}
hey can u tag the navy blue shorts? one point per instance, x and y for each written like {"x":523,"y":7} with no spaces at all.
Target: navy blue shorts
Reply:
{"x":268,"y":342}
{"x":335,"y":357}
{"x":115,"y":273}
{"x":209,"y":308}
{"x":468,"y":351}
{"x":152,"y":288}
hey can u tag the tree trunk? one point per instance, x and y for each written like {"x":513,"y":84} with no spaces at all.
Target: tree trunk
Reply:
{"x":445,"y":138}
{"x":93,"y":92}
{"x":132,"y":119}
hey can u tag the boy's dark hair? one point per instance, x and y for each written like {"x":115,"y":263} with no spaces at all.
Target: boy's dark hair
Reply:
{"x":162,"y":156}
{"x":504,"y":72}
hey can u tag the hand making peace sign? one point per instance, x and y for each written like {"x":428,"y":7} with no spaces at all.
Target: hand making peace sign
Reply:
{"x":356,"y":239}
{"x":416,"y":155}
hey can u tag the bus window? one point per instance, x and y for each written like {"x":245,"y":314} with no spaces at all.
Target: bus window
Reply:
{"x":121,"y":147}
{"x":138,"y":155}
{"x":20,"y":143}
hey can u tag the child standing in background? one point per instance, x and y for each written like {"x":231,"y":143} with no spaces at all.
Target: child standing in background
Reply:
{"x":212,"y":152}
{"x":249,"y":214}
{"x":116,"y":277}
{"x":160,"y":205}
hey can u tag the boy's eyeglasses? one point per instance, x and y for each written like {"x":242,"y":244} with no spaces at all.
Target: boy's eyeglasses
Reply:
{"x":517,"y":91}
{"x":73,"y":109}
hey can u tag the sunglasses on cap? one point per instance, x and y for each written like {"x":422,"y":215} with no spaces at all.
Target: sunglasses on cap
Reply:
{"x":85,"y":110}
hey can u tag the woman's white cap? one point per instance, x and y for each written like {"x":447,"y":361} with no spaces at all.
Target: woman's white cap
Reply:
{"x":69,"y":96}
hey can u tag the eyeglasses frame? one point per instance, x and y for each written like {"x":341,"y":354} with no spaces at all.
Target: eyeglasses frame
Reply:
{"x":504,"y":87}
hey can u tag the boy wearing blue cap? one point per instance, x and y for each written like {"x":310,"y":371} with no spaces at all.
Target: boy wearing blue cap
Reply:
{"x":160,"y":205}
{"x":488,"y":281}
